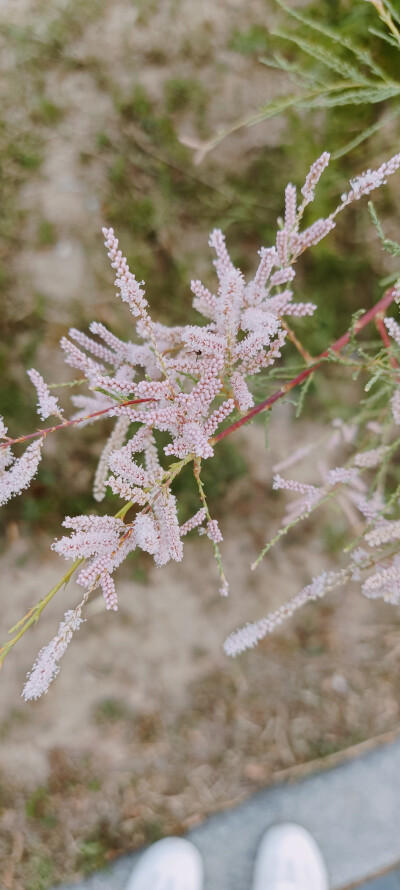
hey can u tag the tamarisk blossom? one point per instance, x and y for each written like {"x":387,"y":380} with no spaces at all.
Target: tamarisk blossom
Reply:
{"x":115,"y":441}
{"x":351,"y":490}
{"x":21,"y":472}
{"x":248,"y":636}
{"x":46,"y":666}
{"x":214,"y":532}
{"x":104,"y":539}
{"x":315,"y":233}
{"x":372,"y":458}
{"x":310,"y":496}
{"x":47,"y":404}
{"x":372,"y":507}
{"x":385,"y":583}
{"x":6,"y":455}
{"x":395,"y":404}
{"x":146,"y":533}
{"x":393,"y":329}
{"x":383,"y":532}
{"x":290,"y":206}
{"x":194,"y":522}
{"x":313,"y":177}
{"x":340,"y":475}
{"x":371,"y":179}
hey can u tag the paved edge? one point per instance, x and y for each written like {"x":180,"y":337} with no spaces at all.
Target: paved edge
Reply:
{"x":352,"y":810}
{"x":388,"y":881}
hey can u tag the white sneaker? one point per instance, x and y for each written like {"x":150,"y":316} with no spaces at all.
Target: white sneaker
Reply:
{"x":170,"y":864}
{"x":289,"y":859}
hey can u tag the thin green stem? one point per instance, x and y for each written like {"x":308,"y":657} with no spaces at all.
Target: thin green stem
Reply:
{"x":217,"y":552}
{"x":34,"y":613}
{"x":273,"y":108}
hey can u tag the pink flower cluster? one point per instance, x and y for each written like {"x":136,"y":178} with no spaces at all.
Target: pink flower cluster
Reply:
{"x":191,"y":379}
{"x":183,"y":381}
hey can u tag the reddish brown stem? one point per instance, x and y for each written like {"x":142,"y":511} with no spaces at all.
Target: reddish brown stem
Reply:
{"x":378,"y":310}
{"x":66,"y":423}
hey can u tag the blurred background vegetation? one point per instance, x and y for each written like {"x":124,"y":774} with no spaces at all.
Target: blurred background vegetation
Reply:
{"x":95,"y":99}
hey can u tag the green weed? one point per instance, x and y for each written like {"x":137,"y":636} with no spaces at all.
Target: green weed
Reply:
{"x":39,"y":806}
{"x":253,"y":41}
{"x":110,"y":710}
{"x":95,"y":850}
{"x":47,"y":234}
{"x":92,"y":856}
{"x":40,"y":873}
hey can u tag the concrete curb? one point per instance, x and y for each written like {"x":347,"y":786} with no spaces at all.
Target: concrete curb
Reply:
{"x":386,"y":882}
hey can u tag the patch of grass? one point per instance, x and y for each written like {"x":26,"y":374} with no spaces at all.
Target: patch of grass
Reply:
{"x":110,"y":710}
{"x":47,"y":234}
{"x":92,"y":856}
{"x":47,"y":112}
{"x":25,"y":152}
{"x":94,"y":785}
{"x":39,"y":806}
{"x":67,"y":24}
{"x":135,"y":107}
{"x":184,"y":92}
{"x":98,"y":847}
{"x":146,"y":10}
{"x":139,"y":217}
{"x":323,"y":747}
{"x":103,"y":140}
{"x":201,"y":49}
{"x":253,"y":41}
{"x":40,"y":873}
{"x":156,"y":55}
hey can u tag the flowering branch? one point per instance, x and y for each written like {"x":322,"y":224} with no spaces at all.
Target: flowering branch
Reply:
{"x":66,"y":423}
{"x":377,"y":310}
{"x":33,"y":614}
{"x":185,"y":381}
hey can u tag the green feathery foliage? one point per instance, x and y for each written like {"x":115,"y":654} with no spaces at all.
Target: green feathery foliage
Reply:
{"x":390,"y":246}
{"x":331,"y":69}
